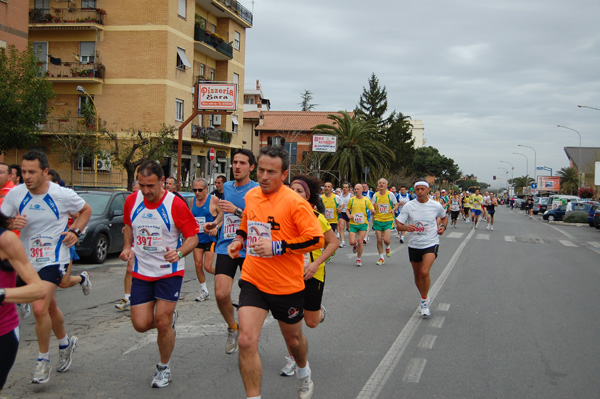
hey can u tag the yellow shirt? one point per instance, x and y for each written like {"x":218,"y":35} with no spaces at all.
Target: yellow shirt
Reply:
{"x":476,"y":201}
{"x":331,"y":207}
{"x":320,"y":273}
{"x":358,"y":210}
{"x":384,"y":207}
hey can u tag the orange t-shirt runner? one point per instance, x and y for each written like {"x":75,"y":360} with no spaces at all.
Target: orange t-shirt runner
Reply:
{"x":288,"y":218}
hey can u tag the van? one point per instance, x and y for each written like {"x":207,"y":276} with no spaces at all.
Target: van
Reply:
{"x":554,"y":201}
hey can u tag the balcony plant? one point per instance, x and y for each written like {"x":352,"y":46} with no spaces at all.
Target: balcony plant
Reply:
{"x":226,"y":136}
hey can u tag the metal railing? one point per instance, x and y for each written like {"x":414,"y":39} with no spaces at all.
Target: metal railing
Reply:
{"x":206,"y":133}
{"x":200,"y":35}
{"x":86,"y":178}
{"x":67,"y":16}
{"x":238,"y":9}
{"x":71,"y":70}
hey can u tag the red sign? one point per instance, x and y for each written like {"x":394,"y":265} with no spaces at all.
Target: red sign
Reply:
{"x":211,"y":154}
{"x":217,"y":96}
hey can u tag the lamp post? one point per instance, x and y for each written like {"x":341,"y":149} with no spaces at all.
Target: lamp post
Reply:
{"x":579,"y":167}
{"x":534,"y":161}
{"x":82,"y":91}
{"x":512,"y":170}
{"x":585,"y":106}
{"x":527,"y":163}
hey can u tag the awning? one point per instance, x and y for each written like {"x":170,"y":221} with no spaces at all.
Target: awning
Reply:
{"x":184,"y":60}
{"x":220,"y":159}
{"x":234,"y":120}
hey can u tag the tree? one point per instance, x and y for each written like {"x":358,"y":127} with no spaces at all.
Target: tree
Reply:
{"x":398,"y":137}
{"x":569,"y":180}
{"x":23,"y":98}
{"x":130,"y":151}
{"x":356,"y":147}
{"x":522,"y":182}
{"x":427,"y":161}
{"x":373,"y":103}
{"x":306,"y":104}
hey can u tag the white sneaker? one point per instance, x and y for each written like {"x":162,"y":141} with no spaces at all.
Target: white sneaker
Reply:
{"x":86,"y":284}
{"x":305,"y":388}
{"x":290,"y":368}
{"x":487,"y":227}
{"x":65,"y":355}
{"x":231,"y":345}
{"x":123,"y":305}
{"x":41,"y":374}
{"x":425,"y":312}
{"x":162,"y":377}
{"x":491,"y":227}
{"x":342,"y":244}
{"x":24,"y":310}
{"x":202,"y":296}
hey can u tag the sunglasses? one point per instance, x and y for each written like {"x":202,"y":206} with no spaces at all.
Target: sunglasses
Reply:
{"x":198,"y":190}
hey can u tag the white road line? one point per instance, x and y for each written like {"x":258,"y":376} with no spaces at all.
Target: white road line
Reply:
{"x":384,"y":370}
{"x":443,"y":307}
{"x":594,"y":244}
{"x":568,"y":243}
{"x":482,"y":237}
{"x":437,"y":322}
{"x":455,"y":235}
{"x":427,"y":341}
{"x":414,"y":370}
{"x":510,"y":238}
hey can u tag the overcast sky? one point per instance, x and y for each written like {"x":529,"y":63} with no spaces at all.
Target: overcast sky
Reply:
{"x":483,"y":76}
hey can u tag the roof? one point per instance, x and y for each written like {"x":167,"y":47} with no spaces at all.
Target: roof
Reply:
{"x":290,"y":120}
{"x":589,"y":155}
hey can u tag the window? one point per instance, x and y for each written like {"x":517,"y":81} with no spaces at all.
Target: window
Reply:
{"x":87,"y":52}
{"x":43,"y":4}
{"x":88,"y":3}
{"x":182,"y":8}
{"x":210,"y":121}
{"x":249,"y":100}
{"x":182,"y":61}
{"x":213,"y":28}
{"x":234,"y":123}
{"x":202,"y":22}
{"x":276,"y":141}
{"x":83,"y":100}
{"x":236,"y":79}
{"x":212,"y":74}
{"x":236,"y":41}
{"x":178,"y":110}
{"x":202,"y":68}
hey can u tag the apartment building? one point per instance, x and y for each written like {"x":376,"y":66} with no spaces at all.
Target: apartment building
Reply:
{"x":138,"y":61}
{"x":13,"y":24}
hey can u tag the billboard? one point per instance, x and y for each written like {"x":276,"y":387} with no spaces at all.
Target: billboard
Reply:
{"x":549,"y":183}
{"x":324,"y":143}
{"x":217,"y":96}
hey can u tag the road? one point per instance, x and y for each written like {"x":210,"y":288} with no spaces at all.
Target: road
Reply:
{"x":513,"y":316}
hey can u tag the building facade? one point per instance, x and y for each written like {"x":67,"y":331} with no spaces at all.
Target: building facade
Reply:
{"x":13,"y":24}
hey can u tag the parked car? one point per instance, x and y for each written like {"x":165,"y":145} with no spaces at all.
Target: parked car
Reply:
{"x":103,"y":234}
{"x":597,"y":217}
{"x":519,"y":203}
{"x":591,"y":214}
{"x":555,"y":214}
{"x":540,"y":205}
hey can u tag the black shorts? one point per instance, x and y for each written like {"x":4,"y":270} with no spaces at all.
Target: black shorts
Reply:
{"x":466,"y":209}
{"x":288,"y":309}
{"x":454,"y":214}
{"x":9,"y":345}
{"x":333,"y":226}
{"x":228,"y":266}
{"x":53,"y":273}
{"x":416,"y":254}
{"x":313,"y":294}
{"x":344,"y":216}
{"x":207,"y":246}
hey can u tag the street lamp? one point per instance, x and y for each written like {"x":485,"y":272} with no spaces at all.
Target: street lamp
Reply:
{"x":82,"y":91}
{"x":534,"y":161}
{"x":512,"y":170}
{"x":585,"y":106}
{"x":527,"y":163}
{"x":579,"y":167}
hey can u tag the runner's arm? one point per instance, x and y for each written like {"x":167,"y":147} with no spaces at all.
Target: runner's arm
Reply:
{"x":15,"y":252}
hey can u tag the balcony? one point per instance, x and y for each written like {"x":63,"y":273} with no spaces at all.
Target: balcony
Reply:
{"x":206,"y":134}
{"x":79,"y":18}
{"x":228,"y":9}
{"x":71,"y":72}
{"x":238,"y":9}
{"x":212,"y":45}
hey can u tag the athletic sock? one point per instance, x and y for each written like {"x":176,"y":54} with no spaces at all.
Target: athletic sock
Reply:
{"x":126,"y":296}
{"x":303,"y":371}
{"x":380,"y":256}
{"x":163,"y":366}
{"x":44,"y":356}
{"x":63,"y":343}
{"x":203,"y":287}
{"x":254,"y":397}
{"x":82,"y":279}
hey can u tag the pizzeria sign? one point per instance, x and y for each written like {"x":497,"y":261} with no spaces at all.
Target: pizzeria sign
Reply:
{"x":217,"y":96}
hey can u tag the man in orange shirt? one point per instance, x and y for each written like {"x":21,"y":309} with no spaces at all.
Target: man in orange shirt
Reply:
{"x":6,"y":183}
{"x":279,"y":227}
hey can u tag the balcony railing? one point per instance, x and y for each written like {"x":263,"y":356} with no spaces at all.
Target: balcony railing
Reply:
{"x":67,"y":16}
{"x":72,"y":70}
{"x":200,"y":35}
{"x":206,"y":134}
{"x":238,"y":9}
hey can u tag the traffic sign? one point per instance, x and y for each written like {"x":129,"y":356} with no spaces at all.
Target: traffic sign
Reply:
{"x":540,"y":168}
{"x":211,"y":154}
{"x":534,"y":185}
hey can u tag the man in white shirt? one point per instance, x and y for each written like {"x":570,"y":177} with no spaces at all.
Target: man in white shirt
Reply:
{"x":426,"y":219}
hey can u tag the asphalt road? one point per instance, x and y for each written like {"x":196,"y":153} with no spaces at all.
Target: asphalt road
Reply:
{"x":513,"y":316}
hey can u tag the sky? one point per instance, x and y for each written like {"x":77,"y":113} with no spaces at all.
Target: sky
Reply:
{"x":483,"y":76}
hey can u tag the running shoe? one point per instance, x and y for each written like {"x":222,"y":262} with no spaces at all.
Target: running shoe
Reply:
{"x":425,"y":312}
{"x":290,"y":368}
{"x":231,"y":345}
{"x":41,"y":374}
{"x":305,"y":387}
{"x":388,"y":252}
{"x":491,"y":227}
{"x":354,"y":248}
{"x":402,"y":240}
{"x":380,"y":262}
{"x":65,"y":355}
{"x":24,"y":310}
{"x":202,"y":296}
{"x":162,"y":377}
{"x":323,"y":314}
{"x":487,"y":227}
{"x":358,"y":263}
{"x":123,"y":305}
{"x":86,"y":283}
{"x":342,"y":244}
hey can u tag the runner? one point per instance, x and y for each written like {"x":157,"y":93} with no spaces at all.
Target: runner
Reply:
{"x":491,"y":210}
{"x":314,"y":264}
{"x":218,"y":191}
{"x":332,"y":205}
{"x":41,"y":211}
{"x":280,"y":228}
{"x":359,"y":224}
{"x":427,"y":220}
{"x":403,"y":198}
{"x":125,"y":302}
{"x":368,"y":194}
{"x":13,"y":261}
{"x":171,"y":185}
{"x":454,"y":209}
{"x":343,"y":221}
{"x":476,"y":207}
{"x":231,"y":208}
{"x":384,"y":205}
{"x":529,"y":206}
{"x":154,"y":219}
{"x":204,"y":209}
{"x":17,"y":177}
{"x":466,"y":203}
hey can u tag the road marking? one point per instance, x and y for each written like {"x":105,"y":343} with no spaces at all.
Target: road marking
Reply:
{"x":443,"y":307}
{"x":427,"y":341}
{"x":510,"y":238}
{"x":568,"y":243}
{"x":437,"y":322}
{"x":594,"y":244}
{"x":384,"y":370}
{"x":414,"y":370}
{"x":482,"y":237}
{"x":455,"y":235}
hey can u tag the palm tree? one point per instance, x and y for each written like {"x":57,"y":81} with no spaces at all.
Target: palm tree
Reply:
{"x":522,"y":182}
{"x":569,"y":180}
{"x":358,"y":145}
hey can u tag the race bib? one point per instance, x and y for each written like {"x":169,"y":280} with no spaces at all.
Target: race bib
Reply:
{"x":41,"y":249}
{"x":201,"y":220}
{"x":384,"y":208}
{"x":359,"y":218}
{"x":329,"y":213}
{"x":422,"y":228}
{"x":306,"y":260}
{"x":231,"y":224}
{"x":149,"y":238}
{"x":256,"y":231}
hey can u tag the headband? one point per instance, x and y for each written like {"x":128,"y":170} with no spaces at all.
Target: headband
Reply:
{"x":422,"y":183}
{"x":304,"y":186}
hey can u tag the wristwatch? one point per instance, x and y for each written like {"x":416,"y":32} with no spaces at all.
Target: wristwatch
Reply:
{"x":443,"y":225}
{"x":238,"y":212}
{"x":2,"y":294}
{"x":77,"y":232}
{"x":180,"y":254}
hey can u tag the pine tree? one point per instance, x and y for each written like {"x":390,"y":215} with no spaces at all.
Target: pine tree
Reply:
{"x":305,"y":104}
{"x":373,"y":102}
